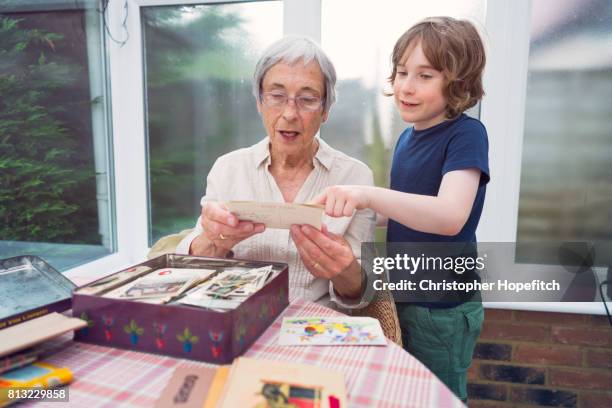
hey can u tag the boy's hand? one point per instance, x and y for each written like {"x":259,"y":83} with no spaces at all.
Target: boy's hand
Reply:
{"x":342,"y":201}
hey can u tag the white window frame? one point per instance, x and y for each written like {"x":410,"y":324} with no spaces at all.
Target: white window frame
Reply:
{"x":503,"y":113}
{"x":128,"y":96}
{"x":507,"y":27}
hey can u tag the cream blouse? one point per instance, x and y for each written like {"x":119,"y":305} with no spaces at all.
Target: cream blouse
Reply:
{"x":244,"y":175}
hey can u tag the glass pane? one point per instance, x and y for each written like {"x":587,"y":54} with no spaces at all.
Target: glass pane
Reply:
{"x":54,"y":184}
{"x":199,"y":64}
{"x":566,"y":176}
{"x":364,"y":123}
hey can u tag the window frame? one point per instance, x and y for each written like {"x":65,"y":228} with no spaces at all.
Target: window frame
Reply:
{"x":507,"y":25}
{"x":103,"y":115}
{"x":128,"y":118}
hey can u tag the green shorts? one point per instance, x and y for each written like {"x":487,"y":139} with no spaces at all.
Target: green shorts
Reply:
{"x":443,"y":339}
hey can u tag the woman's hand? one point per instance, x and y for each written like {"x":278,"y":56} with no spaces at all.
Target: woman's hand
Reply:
{"x":329,"y":256}
{"x":342,"y":201}
{"x":222,"y":231}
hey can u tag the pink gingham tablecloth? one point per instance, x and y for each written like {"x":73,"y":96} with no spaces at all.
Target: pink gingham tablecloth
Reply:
{"x":375,"y":376}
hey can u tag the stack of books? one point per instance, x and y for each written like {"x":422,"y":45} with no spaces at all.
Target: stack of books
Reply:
{"x":21,"y":346}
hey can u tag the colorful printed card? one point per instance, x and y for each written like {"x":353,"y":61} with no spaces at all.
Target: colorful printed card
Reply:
{"x":162,"y":284}
{"x":256,"y":383}
{"x":331,"y":331}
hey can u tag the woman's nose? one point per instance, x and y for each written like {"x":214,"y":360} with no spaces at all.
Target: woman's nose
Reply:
{"x":290,"y":109}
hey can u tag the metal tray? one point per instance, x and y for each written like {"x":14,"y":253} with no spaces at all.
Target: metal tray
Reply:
{"x":30,"y":288}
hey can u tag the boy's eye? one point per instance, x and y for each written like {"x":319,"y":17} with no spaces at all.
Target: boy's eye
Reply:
{"x":426,"y":76}
{"x":401,"y":73}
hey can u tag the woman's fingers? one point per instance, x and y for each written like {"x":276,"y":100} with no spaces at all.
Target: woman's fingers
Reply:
{"x":314,"y":267}
{"x":244,"y":229}
{"x":217,"y":212}
{"x":323,"y":255}
{"x":221,"y":225}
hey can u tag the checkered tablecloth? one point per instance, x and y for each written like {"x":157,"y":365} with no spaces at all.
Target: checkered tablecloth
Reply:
{"x":375,"y":376}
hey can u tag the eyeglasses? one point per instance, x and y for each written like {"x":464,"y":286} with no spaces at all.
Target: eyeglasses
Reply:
{"x":303,"y":102}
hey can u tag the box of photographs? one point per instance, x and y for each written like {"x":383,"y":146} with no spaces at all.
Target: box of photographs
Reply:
{"x":206,"y":309}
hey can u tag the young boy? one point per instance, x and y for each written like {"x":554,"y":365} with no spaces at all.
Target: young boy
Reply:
{"x":438,"y":181}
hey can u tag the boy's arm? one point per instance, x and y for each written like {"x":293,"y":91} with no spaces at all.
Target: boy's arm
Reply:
{"x":444,"y":214}
{"x":381,"y":220}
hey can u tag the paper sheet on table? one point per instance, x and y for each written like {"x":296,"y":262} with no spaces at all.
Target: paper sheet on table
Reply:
{"x":277,"y":215}
{"x":331,"y":331}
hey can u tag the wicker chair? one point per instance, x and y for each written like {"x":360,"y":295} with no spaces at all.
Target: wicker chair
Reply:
{"x":382,"y":306}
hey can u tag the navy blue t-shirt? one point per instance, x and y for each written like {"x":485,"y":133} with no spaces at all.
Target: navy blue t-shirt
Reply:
{"x":423,"y":157}
{"x":420,"y":160}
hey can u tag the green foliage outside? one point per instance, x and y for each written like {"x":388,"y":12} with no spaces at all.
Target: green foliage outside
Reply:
{"x":199,"y":107}
{"x":47,"y":185}
{"x":193,"y":76}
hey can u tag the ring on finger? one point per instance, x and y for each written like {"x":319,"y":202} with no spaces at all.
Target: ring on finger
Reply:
{"x":223,"y":237}
{"x":315,"y":265}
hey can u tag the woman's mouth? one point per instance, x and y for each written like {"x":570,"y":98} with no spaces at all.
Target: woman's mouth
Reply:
{"x":288,"y":134}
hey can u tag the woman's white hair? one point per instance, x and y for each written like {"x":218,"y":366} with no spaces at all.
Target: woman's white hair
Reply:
{"x":290,"y":50}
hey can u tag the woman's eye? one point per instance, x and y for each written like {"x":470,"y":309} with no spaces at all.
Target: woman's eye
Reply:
{"x":308,"y":99}
{"x":401,"y":73}
{"x":426,"y":76}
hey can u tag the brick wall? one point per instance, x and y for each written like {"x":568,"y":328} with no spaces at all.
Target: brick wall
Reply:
{"x":542,"y":359}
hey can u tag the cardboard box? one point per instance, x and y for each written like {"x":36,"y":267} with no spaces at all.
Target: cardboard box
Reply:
{"x":181,"y":330}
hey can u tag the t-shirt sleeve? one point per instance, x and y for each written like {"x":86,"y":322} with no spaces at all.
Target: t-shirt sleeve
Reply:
{"x":469,"y":148}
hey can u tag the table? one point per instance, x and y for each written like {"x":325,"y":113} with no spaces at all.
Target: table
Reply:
{"x":375,"y":376}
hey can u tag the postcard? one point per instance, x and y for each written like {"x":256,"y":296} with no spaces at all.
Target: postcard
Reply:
{"x":256,"y":383}
{"x":277,"y":215}
{"x":113,"y":281}
{"x":228,"y":289}
{"x":331,"y":331}
{"x":162,"y":284}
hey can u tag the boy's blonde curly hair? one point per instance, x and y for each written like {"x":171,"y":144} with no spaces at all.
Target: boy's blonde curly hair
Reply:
{"x":453,"y":47}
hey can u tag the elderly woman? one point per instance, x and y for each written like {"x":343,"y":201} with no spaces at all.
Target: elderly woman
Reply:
{"x":294,"y":87}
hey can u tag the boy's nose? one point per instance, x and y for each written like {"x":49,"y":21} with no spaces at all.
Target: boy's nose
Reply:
{"x":408,"y":86}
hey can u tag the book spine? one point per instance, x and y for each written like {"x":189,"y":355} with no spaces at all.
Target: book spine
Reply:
{"x":13,"y":362}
